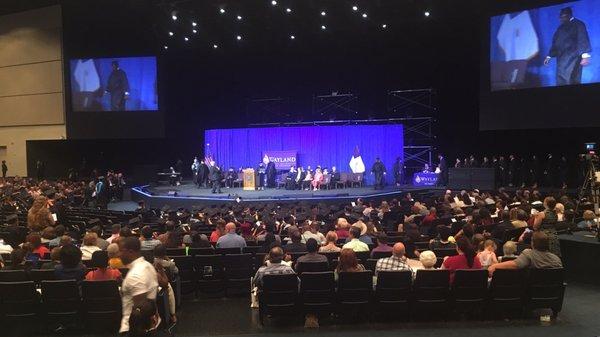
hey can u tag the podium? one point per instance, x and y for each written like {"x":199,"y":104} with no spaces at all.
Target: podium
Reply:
{"x":249,"y":179}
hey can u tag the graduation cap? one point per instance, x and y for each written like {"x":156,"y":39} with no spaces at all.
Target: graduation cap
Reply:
{"x":133,"y":222}
{"x":50,"y":193}
{"x":165,"y":208}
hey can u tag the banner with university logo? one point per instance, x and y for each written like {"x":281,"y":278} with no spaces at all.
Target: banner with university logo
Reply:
{"x":283,"y":159}
{"x":425,"y":179}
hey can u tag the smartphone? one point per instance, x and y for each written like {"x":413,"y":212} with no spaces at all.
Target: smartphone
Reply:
{"x":54,"y":217}
{"x":353,"y":204}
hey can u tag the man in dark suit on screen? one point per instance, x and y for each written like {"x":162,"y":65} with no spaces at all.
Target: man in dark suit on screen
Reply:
{"x":117,"y":87}
{"x":571,"y":47}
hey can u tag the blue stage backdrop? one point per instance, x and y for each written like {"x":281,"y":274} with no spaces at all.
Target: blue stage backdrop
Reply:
{"x":316,"y":145}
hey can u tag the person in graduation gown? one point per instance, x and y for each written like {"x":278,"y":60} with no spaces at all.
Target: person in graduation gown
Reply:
{"x":443,"y":166}
{"x":202,"y":174}
{"x":195,"y":169}
{"x":117,"y":87}
{"x":571,"y":47}
{"x":398,"y":171}
{"x":271,"y":173}
{"x":290,"y":178}
{"x":261,"y":171}
{"x":335,"y":175}
{"x":230,"y":177}
{"x":299,"y":178}
{"x":512,"y":170}
{"x":379,"y":171}
{"x":214,"y":176}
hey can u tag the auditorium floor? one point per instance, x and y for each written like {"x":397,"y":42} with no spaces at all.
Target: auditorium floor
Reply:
{"x":233,"y":317}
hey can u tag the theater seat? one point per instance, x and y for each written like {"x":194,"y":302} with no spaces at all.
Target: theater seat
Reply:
{"x":546,"y":289}
{"x":278,"y":296}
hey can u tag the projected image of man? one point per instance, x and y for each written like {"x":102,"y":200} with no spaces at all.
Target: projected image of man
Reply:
{"x":117,"y":87}
{"x":571,"y":48}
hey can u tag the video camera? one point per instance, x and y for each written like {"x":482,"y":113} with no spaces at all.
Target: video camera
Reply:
{"x":590,"y":149}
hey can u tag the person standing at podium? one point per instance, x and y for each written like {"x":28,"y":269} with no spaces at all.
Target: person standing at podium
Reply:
{"x":214,"y":176}
{"x":262,"y":177}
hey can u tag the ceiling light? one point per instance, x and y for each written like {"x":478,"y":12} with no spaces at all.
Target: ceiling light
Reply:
{"x":427,"y":13}
{"x":323,"y":27}
{"x":186,"y":39}
{"x":194,"y":24}
{"x":215,"y":46}
{"x":171,"y":34}
{"x":166,"y":47}
{"x":239,"y":37}
{"x":355,"y":8}
{"x":194,"y":31}
{"x":239,"y":17}
{"x":222,"y":10}
{"x":364,"y":15}
{"x":292,"y":37}
{"x":274,"y":3}
{"x":323,"y":13}
{"x":288,"y":10}
{"x":384,"y":26}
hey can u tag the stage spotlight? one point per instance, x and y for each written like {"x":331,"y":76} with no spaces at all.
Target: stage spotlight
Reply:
{"x":288,"y":10}
{"x":364,"y":15}
{"x":194,"y":31}
{"x":323,"y":27}
{"x":384,"y":26}
{"x":171,"y":34}
{"x":194,"y":24}
{"x":215,"y":46}
{"x":323,"y":13}
{"x":292,"y":37}
{"x":222,"y":10}
{"x":239,"y":17}
{"x":427,"y":13}
{"x":186,"y":39}
{"x":239,"y":37}
{"x":355,"y":8}
{"x":274,"y":3}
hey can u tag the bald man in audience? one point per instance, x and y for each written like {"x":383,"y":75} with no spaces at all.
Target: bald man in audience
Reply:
{"x":231,"y":239}
{"x":396,"y":262}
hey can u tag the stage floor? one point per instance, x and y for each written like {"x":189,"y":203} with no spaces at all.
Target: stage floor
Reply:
{"x":188,"y":193}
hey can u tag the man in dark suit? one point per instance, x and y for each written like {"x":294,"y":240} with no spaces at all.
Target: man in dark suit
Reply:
{"x":335,"y":175}
{"x":214,"y":176}
{"x":398,"y":171}
{"x":571,"y":47}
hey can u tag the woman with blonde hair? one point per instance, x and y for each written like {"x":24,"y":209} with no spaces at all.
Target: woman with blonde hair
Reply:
{"x":89,"y":246}
{"x":39,"y":216}
{"x":330,"y":240}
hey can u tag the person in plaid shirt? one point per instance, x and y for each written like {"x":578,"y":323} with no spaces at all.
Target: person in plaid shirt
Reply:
{"x":396,"y":262}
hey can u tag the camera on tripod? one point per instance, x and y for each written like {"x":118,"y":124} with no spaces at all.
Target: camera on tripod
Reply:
{"x":590,"y":149}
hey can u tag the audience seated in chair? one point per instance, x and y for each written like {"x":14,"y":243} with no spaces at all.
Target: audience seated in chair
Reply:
{"x":538,"y":257}
{"x":102,"y":271}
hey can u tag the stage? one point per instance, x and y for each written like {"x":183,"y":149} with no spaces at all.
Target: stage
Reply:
{"x":188,"y":195}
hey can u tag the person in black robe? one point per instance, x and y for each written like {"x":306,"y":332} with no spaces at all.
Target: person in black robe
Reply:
{"x":563,"y":170}
{"x":379,"y":171}
{"x":550,"y":171}
{"x":486,"y":163}
{"x":4,"y":169}
{"x":195,"y":169}
{"x":271,"y":173}
{"x":117,"y":87}
{"x":503,"y":167}
{"x":512,"y":170}
{"x":443,"y":176}
{"x":335,"y":175}
{"x":571,"y":47}
{"x":230,"y":177}
{"x":398,"y":171}
{"x":261,"y":172}
{"x":473,"y":162}
{"x":214,"y":176}
{"x":203,"y":174}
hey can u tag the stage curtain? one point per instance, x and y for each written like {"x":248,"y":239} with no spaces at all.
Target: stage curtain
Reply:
{"x":316,"y":145}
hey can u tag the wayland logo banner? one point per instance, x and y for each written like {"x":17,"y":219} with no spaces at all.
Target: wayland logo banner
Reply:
{"x":283,"y":159}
